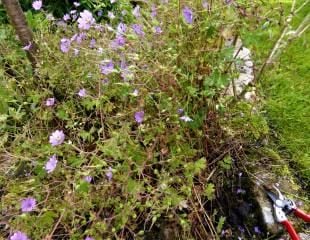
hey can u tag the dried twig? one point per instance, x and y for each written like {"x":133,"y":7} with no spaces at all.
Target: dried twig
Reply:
{"x":49,"y":236}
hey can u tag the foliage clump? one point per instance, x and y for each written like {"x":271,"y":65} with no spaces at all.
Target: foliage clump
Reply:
{"x":116,"y":131}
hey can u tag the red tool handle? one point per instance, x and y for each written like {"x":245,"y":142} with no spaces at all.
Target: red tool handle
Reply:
{"x":302,"y":215}
{"x":290,"y":229}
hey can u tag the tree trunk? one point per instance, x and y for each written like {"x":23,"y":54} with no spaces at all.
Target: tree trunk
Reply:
{"x":24,"y":33}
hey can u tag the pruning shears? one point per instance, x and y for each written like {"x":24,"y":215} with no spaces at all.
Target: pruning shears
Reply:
{"x":282,"y":207}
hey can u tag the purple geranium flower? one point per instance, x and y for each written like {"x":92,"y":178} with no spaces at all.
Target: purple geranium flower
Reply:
{"x":79,"y":37}
{"x":37,"y":5}
{"x":28,"y":204}
{"x":240,"y":191}
{"x":109,"y":174}
{"x":19,"y":236}
{"x":76,"y":4}
{"x":257,"y":230}
{"x":51,"y":164}
{"x":241,"y":229}
{"x":89,"y":238}
{"x":188,"y":15}
{"x":119,"y":41}
{"x":76,"y":51}
{"x":180,"y":111}
{"x":88,"y":179}
{"x":82,"y":92}
{"x":121,"y":29}
{"x":228,"y":1}
{"x":107,"y":67}
{"x":126,"y":74}
{"x":27,"y":47}
{"x":99,"y":13}
{"x":136,"y":11}
{"x":139,"y":116}
{"x":186,"y":119}
{"x":50,"y":102}
{"x":86,"y":20}
{"x":65,"y":45}
{"x":57,"y":138}
{"x":135,"y":93}
{"x":158,"y":30}
{"x":153,"y":11}
{"x":66,"y":17}
{"x":138,"y":29}
{"x":92,"y":43}
{"x":111,"y":15}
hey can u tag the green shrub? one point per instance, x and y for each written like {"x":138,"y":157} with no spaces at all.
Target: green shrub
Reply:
{"x":135,"y":130}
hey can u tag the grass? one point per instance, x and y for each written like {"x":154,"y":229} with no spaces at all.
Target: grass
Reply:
{"x":288,"y":103}
{"x":286,"y":88}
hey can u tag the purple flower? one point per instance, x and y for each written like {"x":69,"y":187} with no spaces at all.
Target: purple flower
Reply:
{"x":50,"y":102}
{"x":88,"y":179}
{"x":126,"y":74}
{"x":92,"y":43}
{"x":76,"y":51}
{"x":241,"y":229}
{"x":153,"y":11}
{"x":51,"y":164}
{"x":19,"y":236}
{"x":86,"y":20}
{"x":99,"y":13}
{"x":57,"y":138}
{"x":180,"y":111}
{"x":66,"y":17}
{"x":37,"y":5}
{"x":76,"y":4}
{"x":79,"y":37}
{"x":228,"y":1}
{"x":82,"y":92}
{"x":135,"y":93}
{"x":65,"y":45}
{"x":100,"y":50}
{"x":138,"y":29}
{"x":136,"y":11}
{"x":28,"y":204}
{"x":109,"y":174}
{"x":257,"y":230}
{"x":111,"y":15}
{"x":188,"y":15}
{"x":89,"y":238}
{"x":119,"y":41}
{"x":27,"y":47}
{"x":158,"y":30}
{"x":121,"y":29}
{"x":240,"y":191}
{"x":139,"y":116}
{"x":107,"y":68}
{"x":186,"y":119}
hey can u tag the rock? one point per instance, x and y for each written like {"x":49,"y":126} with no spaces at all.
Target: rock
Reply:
{"x":245,"y":68}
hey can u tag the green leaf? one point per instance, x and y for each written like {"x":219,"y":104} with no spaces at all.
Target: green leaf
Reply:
{"x":209,"y":191}
{"x":226,"y":163}
{"x":62,"y":114}
{"x":134,"y":187}
{"x":220,"y":224}
{"x":82,"y":187}
{"x":74,"y":161}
